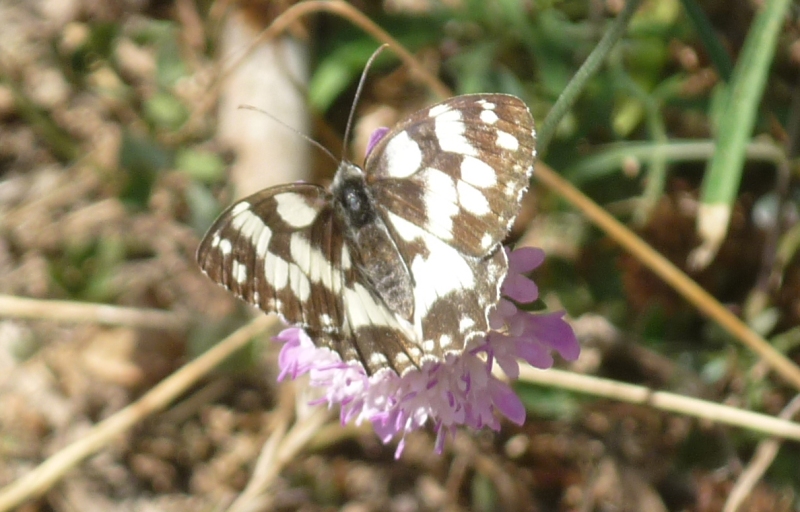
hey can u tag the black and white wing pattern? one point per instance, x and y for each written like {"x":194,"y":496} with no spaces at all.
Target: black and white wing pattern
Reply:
{"x":282,"y":250}
{"x":400,"y":262}
{"x":458,"y":169}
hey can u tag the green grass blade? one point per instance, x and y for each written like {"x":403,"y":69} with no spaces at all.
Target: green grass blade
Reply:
{"x":716,"y":51}
{"x":737,"y":121}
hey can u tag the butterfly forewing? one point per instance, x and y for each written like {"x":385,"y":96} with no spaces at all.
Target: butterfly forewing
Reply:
{"x":280,"y":250}
{"x":458,"y":169}
{"x":283,"y":251}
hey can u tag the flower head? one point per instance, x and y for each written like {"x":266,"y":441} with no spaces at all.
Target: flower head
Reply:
{"x":460,"y":390}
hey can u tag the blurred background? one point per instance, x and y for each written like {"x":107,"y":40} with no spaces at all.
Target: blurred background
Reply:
{"x":121,"y":139}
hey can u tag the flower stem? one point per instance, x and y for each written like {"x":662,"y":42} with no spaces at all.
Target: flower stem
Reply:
{"x":582,"y":76}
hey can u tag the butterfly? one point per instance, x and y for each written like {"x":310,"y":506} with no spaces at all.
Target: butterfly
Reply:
{"x":396,"y":263}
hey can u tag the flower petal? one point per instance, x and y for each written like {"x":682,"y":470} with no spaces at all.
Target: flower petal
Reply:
{"x":376,"y":137}
{"x":507,"y":401}
{"x":520,"y":288}
{"x":524,"y":259}
{"x":551,"y":330}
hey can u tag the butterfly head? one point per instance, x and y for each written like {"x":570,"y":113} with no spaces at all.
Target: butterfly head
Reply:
{"x":352,"y":198}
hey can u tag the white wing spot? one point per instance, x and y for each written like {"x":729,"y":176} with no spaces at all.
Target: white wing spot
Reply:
{"x":239,"y":271}
{"x":489,"y":117}
{"x":445,"y":341}
{"x":313,"y":262}
{"x":441,"y":203}
{"x":487,"y":105}
{"x":249,"y":224}
{"x":511,"y":189}
{"x":406,"y":230}
{"x":300,"y":250}
{"x":507,"y":141}
{"x":215,"y":240}
{"x":240,"y":207}
{"x":362,"y":309}
{"x":276,"y":269}
{"x":294,"y":210}
{"x":450,"y":129}
{"x":486,"y":241}
{"x":299,"y":282}
{"x":402,"y":156}
{"x":377,"y":359}
{"x":225,"y":246}
{"x":401,"y":360}
{"x":262,"y":244}
{"x":438,"y":110}
{"x":477,"y":172}
{"x":345,"y":258}
{"x":472,"y":199}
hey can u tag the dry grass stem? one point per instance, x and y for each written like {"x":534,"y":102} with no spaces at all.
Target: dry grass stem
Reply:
{"x":281,"y":447}
{"x":70,"y":311}
{"x":762,"y":458}
{"x":662,"y":400}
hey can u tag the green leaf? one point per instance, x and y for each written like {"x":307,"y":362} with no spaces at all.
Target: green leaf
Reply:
{"x":203,"y":166}
{"x":203,"y":207}
{"x":165,"y":111}
{"x":339,"y":69}
{"x":141,"y":159}
{"x":473,"y":67}
{"x":341,"y":63}
{"x":169,"y":63}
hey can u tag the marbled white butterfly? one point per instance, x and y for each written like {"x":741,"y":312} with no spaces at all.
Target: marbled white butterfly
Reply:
{"x":397,"y":263}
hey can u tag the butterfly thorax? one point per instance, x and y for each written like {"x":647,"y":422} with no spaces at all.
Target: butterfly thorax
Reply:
{"x":378,"y":257}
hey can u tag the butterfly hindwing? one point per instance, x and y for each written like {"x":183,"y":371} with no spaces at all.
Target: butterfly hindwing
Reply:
{"x":453,"y":292}
{"x":449,"y":180}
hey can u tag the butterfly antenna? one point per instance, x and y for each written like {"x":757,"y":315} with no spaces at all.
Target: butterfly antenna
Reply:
{"x":302,"y":135}
{"x":358,"y":95}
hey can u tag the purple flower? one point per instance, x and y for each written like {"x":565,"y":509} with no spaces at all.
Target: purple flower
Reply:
{"x":460,"y":390}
